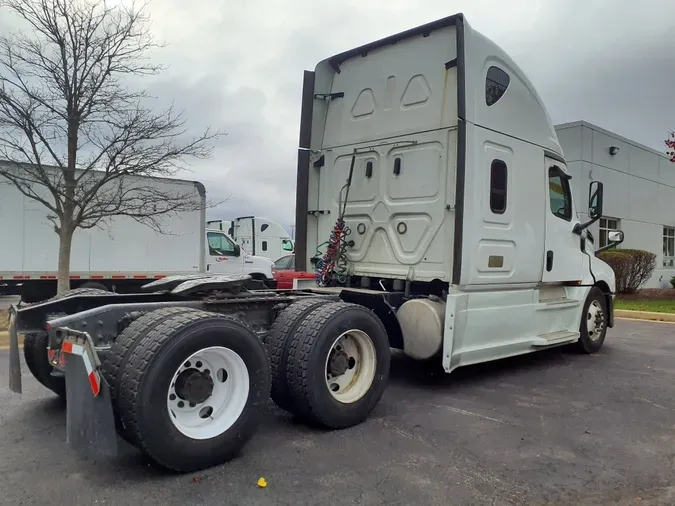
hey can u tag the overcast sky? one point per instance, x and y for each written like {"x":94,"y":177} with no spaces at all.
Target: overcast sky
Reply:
{"x":238,"y":66}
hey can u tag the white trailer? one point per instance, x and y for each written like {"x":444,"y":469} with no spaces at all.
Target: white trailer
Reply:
{"x":259,"y":236}
{"x":121,"y":255}
{"x":429,"y":166}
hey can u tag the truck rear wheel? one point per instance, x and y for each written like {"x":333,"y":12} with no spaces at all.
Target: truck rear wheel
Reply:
{"x":277,"y":343}
{"x":80,"y":291}
{"x":35,"y":353}
{"x":95,"y":285}
{"x":593,"y":327}
{"x":194,"y":390}
{"x":338,"y":365}
{"x":35,"y":350}
{"x":123,"y":348}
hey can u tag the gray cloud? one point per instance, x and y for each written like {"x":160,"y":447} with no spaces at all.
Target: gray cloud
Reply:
{"x":238,"y":67}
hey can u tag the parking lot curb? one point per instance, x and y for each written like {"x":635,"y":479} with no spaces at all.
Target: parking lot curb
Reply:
{"x":645,"y":315}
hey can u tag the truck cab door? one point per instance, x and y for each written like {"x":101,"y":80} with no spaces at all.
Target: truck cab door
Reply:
{"x":563,"y":259}
{"x":223,"y":254}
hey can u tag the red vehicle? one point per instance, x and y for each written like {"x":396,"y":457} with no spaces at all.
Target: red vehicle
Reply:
{"x":284,"y":272}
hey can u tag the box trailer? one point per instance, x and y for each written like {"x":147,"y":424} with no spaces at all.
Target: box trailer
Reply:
{"x":432,"y":181}
{"x":121,"y":255}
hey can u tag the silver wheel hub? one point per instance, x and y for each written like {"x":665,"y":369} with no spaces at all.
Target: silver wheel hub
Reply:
{"x":350,"y":366}
{"x":208,"y":392}
{"x":595,"y":321}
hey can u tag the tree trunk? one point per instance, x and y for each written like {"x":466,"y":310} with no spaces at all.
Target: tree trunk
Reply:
{"x":65,"y":242}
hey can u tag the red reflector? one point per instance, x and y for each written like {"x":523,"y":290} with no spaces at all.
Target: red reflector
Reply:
{"x":94,"y":384}
{"x":67,"y":347}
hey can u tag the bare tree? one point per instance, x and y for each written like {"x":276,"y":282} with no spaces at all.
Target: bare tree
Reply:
{"x":75,"y":134}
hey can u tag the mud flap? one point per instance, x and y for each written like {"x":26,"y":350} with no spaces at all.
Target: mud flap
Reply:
{"x":90,"y":418}
{"x":14,"y":360}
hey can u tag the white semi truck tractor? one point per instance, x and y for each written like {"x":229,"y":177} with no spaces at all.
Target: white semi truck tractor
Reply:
{"x":434,"y":203}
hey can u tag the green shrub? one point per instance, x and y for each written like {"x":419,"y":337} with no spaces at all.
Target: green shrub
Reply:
{"x":672,"y":281}
{"x":632,"y":267}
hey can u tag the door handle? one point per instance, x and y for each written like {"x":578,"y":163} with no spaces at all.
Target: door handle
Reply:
{"x":549,"y":260}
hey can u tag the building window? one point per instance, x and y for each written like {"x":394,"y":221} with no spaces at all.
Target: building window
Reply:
{"x":606,"y":226}
{"x":668,"y":247}
{"x":496,"y":83}
{"x":559,"y":193}
{"x":498,"y":178}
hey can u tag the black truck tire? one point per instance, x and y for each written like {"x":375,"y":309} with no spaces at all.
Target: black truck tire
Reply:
{"x":122,"y":349}
{"x":33,"y":297}
{"x":338,"y":365}
{"x":95,"y":285}
{"x":168,"y":387}
{"x":80,"y":291}
{"x":35,"y":353}
{"x":593,"y":326}
{"x":277,"y":343}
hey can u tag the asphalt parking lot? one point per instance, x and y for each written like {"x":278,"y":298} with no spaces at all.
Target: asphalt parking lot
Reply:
{"x":550,"y":428}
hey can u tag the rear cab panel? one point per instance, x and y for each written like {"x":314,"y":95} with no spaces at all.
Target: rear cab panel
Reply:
{"x":391,"y":105}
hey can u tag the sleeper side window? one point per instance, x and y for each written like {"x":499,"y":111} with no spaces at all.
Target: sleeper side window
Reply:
{"x":496,"y":83}
{"x":498,"y":183}
{"x":560,"y":195}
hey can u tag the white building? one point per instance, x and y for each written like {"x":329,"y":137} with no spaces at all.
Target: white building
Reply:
{"x":639,"y":191}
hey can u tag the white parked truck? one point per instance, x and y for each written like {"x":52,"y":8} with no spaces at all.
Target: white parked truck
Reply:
{"x":431,"y":180}
{"x":259,"y":236}
{"x":121,"y":255}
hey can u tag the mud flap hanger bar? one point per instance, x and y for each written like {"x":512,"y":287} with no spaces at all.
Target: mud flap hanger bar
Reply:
{"x":81,"y":344}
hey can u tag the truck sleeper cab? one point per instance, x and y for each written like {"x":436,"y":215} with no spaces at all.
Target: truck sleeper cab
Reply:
{"x":458,"y":190}
{"x":429,"y":166}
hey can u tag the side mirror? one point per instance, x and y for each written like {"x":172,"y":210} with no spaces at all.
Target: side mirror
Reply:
{"x":614,"y":238}
{"x":237,"y":250}
{"x":595,"y":194}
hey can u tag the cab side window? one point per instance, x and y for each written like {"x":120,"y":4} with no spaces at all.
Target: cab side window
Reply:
{"x":560,"y":195}
{"x":498,"y":186}
{"x":219,"y":244}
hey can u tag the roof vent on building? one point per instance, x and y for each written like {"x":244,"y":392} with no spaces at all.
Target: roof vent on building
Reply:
{"x":613,"y":150}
